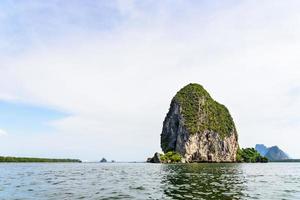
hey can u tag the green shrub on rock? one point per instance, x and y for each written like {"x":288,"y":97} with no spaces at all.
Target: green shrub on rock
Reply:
{"x":250,"y":155}
{"x":201,"y":112}
{"x":170,"y":157}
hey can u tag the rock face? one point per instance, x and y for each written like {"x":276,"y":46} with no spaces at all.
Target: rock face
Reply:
{"x":199,"y":128}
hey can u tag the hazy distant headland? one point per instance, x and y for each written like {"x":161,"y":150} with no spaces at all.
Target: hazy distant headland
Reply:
{"x":272,"y":153}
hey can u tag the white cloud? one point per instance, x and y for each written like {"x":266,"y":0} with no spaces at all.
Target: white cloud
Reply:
{"x":118,"y":84}
{"x":2,"y":132}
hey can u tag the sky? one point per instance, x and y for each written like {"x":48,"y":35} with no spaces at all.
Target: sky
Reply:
{"x":92,"y":79}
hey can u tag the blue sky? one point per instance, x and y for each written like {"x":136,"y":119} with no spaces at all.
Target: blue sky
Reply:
{"x":93,"y":79}
{"x":19,"y":118}
{"x":24,"y":24}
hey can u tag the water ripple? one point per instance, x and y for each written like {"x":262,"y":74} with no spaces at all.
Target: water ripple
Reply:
{"x":149,"y":181}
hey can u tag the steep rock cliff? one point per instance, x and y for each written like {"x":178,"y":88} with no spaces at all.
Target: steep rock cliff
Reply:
{"x":199,"y":128}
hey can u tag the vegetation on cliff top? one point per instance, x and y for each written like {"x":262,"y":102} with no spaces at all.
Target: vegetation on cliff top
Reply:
{"x":201,"y":112}
{"x":26,"y":159}
{"x":249,"y":155}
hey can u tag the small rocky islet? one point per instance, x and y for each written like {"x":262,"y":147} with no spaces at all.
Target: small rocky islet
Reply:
{"x":199,"y":129}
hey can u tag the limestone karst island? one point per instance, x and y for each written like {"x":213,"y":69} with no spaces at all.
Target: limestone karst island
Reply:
{"x":199,"y":129}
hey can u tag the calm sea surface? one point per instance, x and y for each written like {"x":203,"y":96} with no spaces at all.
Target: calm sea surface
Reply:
{"x":149,"y":181}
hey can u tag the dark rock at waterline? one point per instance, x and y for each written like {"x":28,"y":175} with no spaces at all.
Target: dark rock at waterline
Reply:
{"x":155,"y":158}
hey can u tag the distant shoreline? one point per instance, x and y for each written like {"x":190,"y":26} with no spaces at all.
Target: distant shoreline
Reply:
{"x":286,"y":160}
{"x":9,"y":159}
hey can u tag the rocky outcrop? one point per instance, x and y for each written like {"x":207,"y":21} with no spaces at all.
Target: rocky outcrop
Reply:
{"x":155,"y":158}
{"x":199,"y":128}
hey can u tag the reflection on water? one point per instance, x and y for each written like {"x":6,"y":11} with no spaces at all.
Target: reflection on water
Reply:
{"x":52,"y":181}
{"x":206,"y":181}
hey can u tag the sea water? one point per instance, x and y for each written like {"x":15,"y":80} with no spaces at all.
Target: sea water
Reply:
{"x":149,"y":181}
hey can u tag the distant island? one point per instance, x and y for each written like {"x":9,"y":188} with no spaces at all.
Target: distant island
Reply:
{"x":104,"y":160}
{"x":273,"y":153}
{"x":199,"y":129}
{"x":28,"y":159}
